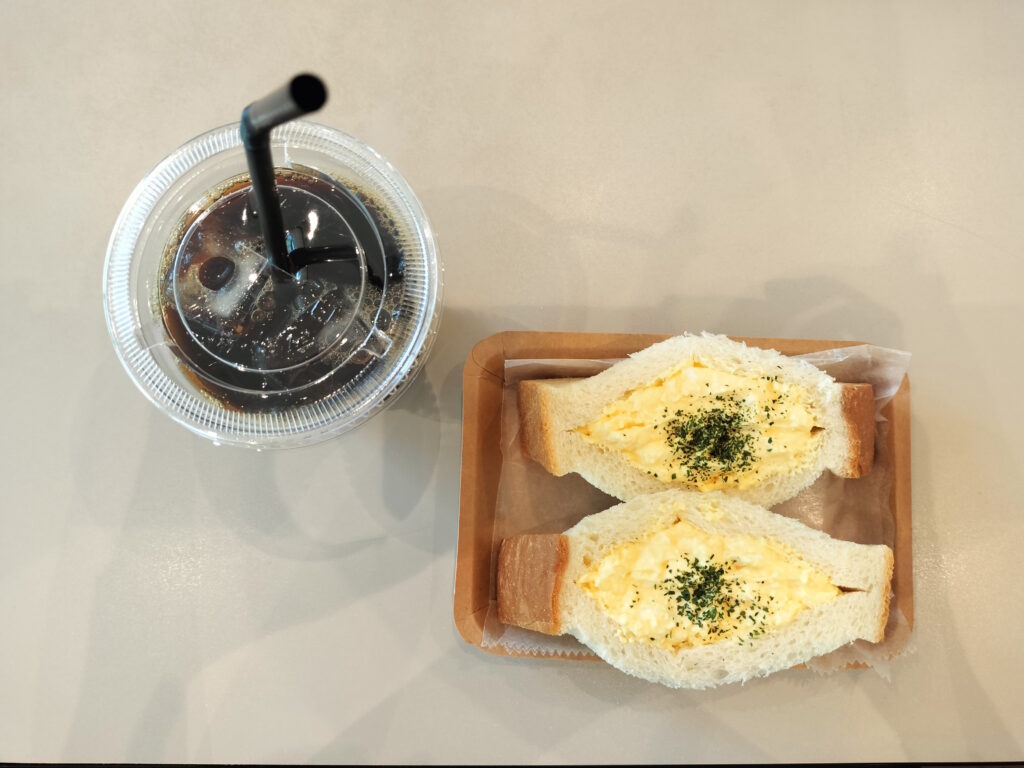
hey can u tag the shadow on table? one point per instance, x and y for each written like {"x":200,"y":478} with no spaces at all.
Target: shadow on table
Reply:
{"x":177,"y":592}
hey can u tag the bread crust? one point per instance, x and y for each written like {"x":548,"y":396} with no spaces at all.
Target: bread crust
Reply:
{"x":530,"y":572}
{"x":883,"y":618}
{"x":536,"y":431}
{"x":857,"y":402}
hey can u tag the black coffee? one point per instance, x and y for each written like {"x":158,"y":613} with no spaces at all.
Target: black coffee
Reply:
{"x":256,"y":338}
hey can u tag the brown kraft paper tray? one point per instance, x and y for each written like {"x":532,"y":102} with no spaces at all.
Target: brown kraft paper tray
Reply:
{"x":483,"y":384}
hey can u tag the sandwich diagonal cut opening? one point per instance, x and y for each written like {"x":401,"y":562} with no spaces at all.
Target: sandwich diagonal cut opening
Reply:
{"x":695,"y":590}
{"x":701,"y":413}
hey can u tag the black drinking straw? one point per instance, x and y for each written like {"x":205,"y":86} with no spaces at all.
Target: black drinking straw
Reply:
{"x":300,"y":96}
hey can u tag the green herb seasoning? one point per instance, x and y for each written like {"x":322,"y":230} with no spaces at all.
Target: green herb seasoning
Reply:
{"x":712,"y":440}
{"x":706,"y":595}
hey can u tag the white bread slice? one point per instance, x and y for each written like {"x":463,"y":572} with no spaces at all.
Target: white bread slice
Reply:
{"x":537,"y":588}
{"x":551,"y":410}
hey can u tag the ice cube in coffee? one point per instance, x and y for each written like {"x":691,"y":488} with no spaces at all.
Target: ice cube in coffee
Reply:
{"x":256,"y":337}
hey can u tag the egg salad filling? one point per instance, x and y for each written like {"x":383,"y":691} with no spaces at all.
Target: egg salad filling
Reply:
{"x":709,"y":429}
{"x":682,"y":586}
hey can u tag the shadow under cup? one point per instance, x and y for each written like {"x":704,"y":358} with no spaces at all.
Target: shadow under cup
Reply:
{"x":242,"y":352}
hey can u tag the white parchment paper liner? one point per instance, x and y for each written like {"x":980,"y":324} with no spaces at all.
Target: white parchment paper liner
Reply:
{"x":530,"y":500}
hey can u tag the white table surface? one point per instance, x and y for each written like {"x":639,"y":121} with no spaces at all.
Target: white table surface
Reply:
{"x":821,"y":170}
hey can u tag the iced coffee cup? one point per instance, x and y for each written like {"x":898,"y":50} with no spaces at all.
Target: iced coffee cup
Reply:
{"x":272,"y":314}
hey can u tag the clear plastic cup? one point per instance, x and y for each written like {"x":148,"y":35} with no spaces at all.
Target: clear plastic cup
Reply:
{"x":243,"y":353}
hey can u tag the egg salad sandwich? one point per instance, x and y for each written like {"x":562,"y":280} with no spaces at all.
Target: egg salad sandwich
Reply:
{"x":703,"y":413}
{"x":694,"y":590}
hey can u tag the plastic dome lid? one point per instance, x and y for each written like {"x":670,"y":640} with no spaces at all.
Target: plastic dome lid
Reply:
{"x":242,"y":352}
